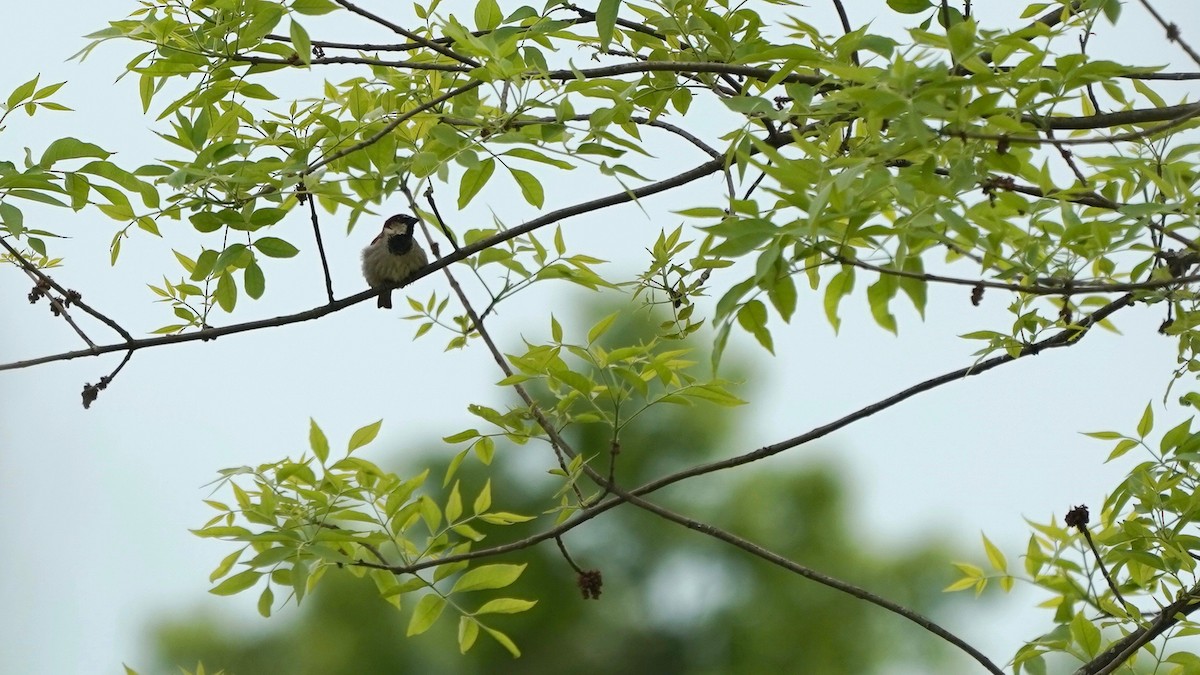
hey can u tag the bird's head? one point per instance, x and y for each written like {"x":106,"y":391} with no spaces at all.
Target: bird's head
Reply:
{"x":401,"y":223}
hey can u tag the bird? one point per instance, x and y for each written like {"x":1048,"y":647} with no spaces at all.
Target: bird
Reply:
{"x":392,"y":257}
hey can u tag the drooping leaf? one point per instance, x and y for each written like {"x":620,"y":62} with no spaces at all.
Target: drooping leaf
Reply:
{"x":488,"y":577}
{"x":473,"y":180}
{"x":317,"y":441}
{"x":70,"y":148}
{"x":427,"y":611}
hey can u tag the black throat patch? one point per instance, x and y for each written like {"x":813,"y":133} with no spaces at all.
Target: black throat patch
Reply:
{"x":399,"y":244}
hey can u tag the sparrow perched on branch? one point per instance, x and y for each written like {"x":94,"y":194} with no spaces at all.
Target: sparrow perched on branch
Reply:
{"x":393,"y":256}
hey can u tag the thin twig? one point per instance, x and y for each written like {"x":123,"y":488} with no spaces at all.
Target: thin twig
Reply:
{"x":1185,"y":114}
{"x":1065,"y":288}
{"x":1063,"y":338}
{"x":700,"y":171}
{"x":60,"y":308}
{"x":312,"y":208}
{"x":1120,"y":651}
{"x":75,"y":299}
{"x":841,"y":10}
{"x":563,"y":450}
{"x":562,"y":547}
{"x":1087,"y":198}
{"x":823,"y":579}
{"x":1112,"y":585}
{"x":391,"y":126}
{"x":1172,"y":32}
{"x":57,"y":306}
{"x":92,"y":391}
{"x":441,"y":222}
{"x":430,"y":44}
{"x":1068,"y":158}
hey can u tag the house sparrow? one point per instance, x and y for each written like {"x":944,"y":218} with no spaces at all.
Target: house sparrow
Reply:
{"x":393,"y":256}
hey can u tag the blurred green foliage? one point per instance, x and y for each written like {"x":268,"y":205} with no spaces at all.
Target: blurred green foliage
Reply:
{"x":672,"y":601}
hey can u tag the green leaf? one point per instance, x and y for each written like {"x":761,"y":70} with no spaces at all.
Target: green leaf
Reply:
{"x":715,"y":393}
{"x":77,"y":186}
{"x":462,"y":436}
{"x":427,"y":611}
{"x":268,"y":216}
{"x":1123,"y":446}
{"x":504,"y":518}
{"x":506,"y":606}
{"x":363,"y":435}
{"x":1146,"y":424}
{"x":1085,"y":634}
{"x":504,"y":640}
{"x":237,"y":583}
{"x":275,"y":247}
{"x":468,"y":631}
{"x":909,"y":6}
{"x":226,"y":293}
{"x":146,"y":89}
{"x":606,"y":20}
{"x":838,"y":288}
{"x":783,"y":297}
{"x":317,"y":441}
{"x":995,"y":556}
{"x":485,"y":448}
{"x":483,"y":501}
{"x":226,"y":564}
{"x":560,"y":246}
{"x":256,"y":91}
{"x":301,"y":42}
{"x":535,"y":156}
{"x":70,"y":148}
{"x":601,"y":327}
{"x":487,"y":14}
{"x":22,"y":92}
{"x":916,"y":289}
{"x":206,"y":221}
{"x":879,"y":294}
{"x":531,"y":188}
{"x":204,"y":265}
{"x":753,"y":318}
{"x":300,"y":576}
{"x":254,"y":280}
{"x":229,"y":257}
{"x":473,"y":181}
{"x":265,"y":601}
{"x":488,"y":577}
{"x":13,"y":219}
{"x":454,"y":505}
{"x":429,"y":513}
{"x":313,"y":7}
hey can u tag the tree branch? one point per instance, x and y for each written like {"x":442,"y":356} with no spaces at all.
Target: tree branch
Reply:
{"x":391,"y":126}
{"x":430,"y":44}
{"x":1065,"y":287}
{"x":1066,"y":337}
{"x":312,"y":207}
{"x":30,"y":268}
{"x":700,"y":171}
{"x":1120,"y":651}
{"x":1174,"y":116}
{"x":1172,"y":32}
{"x":823,"y":579}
